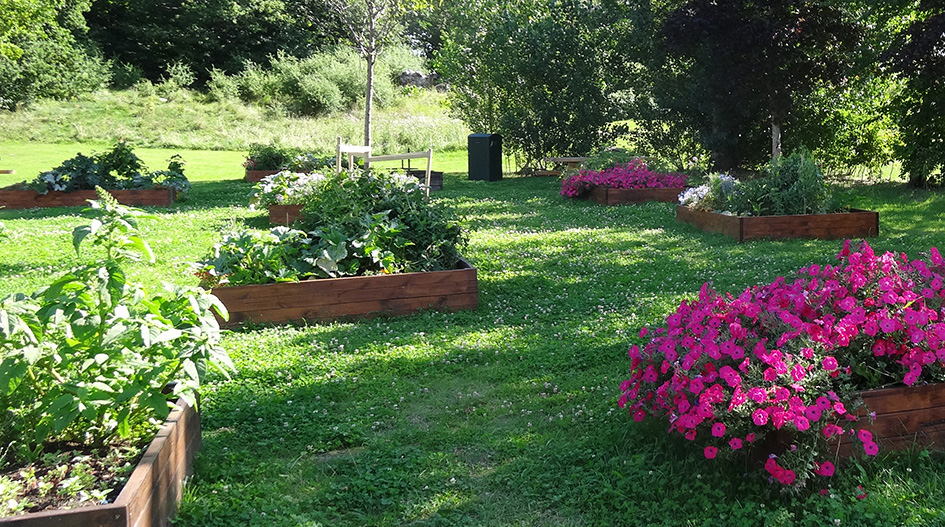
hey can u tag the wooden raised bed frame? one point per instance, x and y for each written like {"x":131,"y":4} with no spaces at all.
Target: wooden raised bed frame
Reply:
{"x":284,"y":214}
{"x":624,"y":196}
{"x":854,"y":224}
{"x":28,"y":199}
{"x":150,"y":496}
{"x":351,"y":297}
{"x":906,"y":416}
{"x":257,"y":175}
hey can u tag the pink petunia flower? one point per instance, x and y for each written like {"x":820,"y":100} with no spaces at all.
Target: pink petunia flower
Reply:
{"x":829,"y":363}
{"x":718,"y":429}
{"x":825,"y":469}
{"x":735,"y":443}
{"x":760,"y":417}
{"x":812,"y":413}
{"x":710,"y":452}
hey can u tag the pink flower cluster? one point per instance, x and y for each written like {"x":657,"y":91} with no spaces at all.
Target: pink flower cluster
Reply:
{"x":634,"y":174}
{"x":793,"y":355}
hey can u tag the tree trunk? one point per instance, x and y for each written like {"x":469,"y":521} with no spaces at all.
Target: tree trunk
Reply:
{"x":369,"y":102}
{"x":775,"y":138}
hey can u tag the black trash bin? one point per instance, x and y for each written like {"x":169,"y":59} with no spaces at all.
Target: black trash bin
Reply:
{"x":485,"y":157}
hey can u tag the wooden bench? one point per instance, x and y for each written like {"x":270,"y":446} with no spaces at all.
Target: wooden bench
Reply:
{"x":353,"y":151}
{"x":569,"y":162}
{"x":7,"y":171}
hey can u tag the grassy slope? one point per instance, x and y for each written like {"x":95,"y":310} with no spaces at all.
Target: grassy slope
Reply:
{"x":501,"y":416}
{"x":418,"y":122}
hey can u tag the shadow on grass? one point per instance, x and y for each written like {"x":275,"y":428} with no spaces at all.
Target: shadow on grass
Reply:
{"x":504,"y":415}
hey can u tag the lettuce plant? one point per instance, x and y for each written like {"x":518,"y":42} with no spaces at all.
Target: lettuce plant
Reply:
{"x":793,"y":356}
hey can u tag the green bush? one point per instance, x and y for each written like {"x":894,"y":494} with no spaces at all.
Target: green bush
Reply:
{"x":222,"y":87}
{"x":55,"y":68}
{"x":268,"y":157}
{"x":790,"y":185}
{"x":275,"y":157}
{"x":354,"y":223}
{"x":125,"y":75}
{"x":327,"y":82}
{"x":178,"y":77}
{"x":118,"y":168}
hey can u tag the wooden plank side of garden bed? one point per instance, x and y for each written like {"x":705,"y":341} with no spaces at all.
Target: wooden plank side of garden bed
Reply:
{"x":28,"y":199}
{"x":284,"y":214}
{"x":344,"y":290}
{"x":710,"y":221}
{"x":364,"y":309}
{"x":890,"y":400}
{"x":904,"y":417}
{"x":257,"y":175}
{"x":853,"y":224}
{"x":351,"y":297}
{"x":152,"y":492}
{"x":624,"y":196}
{"x":155,"y":487}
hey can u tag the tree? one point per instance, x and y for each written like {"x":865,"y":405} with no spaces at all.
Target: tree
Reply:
{"x":917,"y":58}
{"x":209,"y":34}
{"x":21,"y":20}
{"x":44,"y":52}
{"x":548,"y":76}
{"x":372,"y":25}
{"x":734,"y":70}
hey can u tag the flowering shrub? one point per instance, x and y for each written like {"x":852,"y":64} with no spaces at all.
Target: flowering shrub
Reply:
{"x":634,"y":174}
{"x":793,"y":355}
{"x":285,"y":188}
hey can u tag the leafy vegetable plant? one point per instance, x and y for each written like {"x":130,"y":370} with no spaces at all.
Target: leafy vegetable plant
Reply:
{"x":353,"y":223}
{"x":92,"y":356}
{"x":115,"y":169}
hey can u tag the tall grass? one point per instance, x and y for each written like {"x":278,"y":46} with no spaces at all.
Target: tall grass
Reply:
{"x":419,"y":121}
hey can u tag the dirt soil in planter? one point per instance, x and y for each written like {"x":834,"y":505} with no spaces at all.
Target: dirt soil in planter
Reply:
{"x":99,"y":471}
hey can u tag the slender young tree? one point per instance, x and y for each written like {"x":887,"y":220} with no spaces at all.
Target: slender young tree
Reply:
{"x":372,"y":25}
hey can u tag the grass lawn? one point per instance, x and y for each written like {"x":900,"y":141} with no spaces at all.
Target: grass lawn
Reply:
{"x":504,"y":416}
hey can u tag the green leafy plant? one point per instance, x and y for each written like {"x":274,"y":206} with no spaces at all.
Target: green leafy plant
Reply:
{"x":791,"y":185}
{"x":115,"y":169}
{"x":353,"y":223}
{"x":268,"y":157}
{"x":91,"y":356}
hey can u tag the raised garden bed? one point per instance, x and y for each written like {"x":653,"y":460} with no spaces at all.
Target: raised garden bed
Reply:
{"x":906,"y":416}
{"x":436,"y":178}
{"x":854,"y":224}
{"x":624,"y":196}
{"x":351,"y":297}
{"x":28,"y":199}
{"x":152,"y":493}
{"x":284,"y":214}
{"x":257,"y":175}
